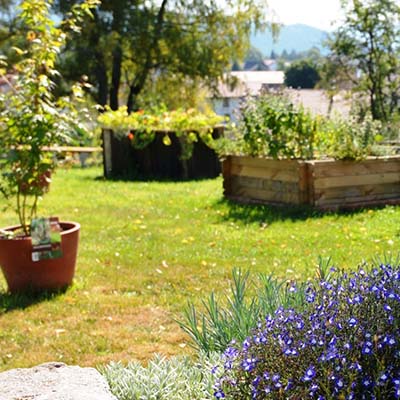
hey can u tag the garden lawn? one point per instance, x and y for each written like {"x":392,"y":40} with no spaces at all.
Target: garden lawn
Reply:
{"x":147,"y":248}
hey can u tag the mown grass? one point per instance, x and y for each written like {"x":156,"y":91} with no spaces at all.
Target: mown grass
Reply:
{"x":147,"y":248}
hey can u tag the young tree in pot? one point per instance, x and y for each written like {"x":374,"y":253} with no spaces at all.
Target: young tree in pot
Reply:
{"x":32,"y":120}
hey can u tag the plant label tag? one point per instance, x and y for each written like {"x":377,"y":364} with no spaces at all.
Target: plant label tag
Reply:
{"x":46,"y":238}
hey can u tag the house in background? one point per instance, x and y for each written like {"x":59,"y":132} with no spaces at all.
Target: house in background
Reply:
{"x":318,"y":102}
{"x":248,"y":83}
{"x":252,"y":83}
{"x":259,"y":65}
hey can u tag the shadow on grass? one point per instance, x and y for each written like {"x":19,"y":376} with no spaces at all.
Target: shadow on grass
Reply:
{"x":150,"y":179}
{"x":20,"y":301}
{"x":248,"y":213}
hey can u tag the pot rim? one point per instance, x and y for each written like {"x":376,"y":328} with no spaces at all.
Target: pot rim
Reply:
{"x":71,"y":227}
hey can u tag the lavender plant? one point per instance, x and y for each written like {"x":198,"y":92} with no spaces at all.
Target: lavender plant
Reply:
{"x":343,"y":345}
{"x":214,"y":328}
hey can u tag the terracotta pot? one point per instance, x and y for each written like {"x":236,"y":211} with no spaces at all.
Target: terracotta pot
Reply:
{"x":22,"y":274}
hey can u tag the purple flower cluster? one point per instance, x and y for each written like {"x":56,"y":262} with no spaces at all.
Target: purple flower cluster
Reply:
{"x":344,"y":344}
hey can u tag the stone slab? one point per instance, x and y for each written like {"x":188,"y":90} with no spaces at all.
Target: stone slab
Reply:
{"x":54,"y":381}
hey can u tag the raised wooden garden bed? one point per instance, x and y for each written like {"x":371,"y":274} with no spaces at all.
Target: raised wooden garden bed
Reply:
{"x":323,"y":184}
{"x":157,"y":160}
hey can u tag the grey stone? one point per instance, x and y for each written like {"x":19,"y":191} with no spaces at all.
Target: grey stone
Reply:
{"x":54,"y":381}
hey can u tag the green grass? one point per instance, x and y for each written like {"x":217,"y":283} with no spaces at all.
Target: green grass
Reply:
{"x":149,"y":247}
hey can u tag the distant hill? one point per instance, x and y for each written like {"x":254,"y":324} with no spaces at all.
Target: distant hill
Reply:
{"x":296,"y":37}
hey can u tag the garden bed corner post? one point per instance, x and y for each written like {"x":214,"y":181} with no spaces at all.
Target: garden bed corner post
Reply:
{"x":226,"y":173}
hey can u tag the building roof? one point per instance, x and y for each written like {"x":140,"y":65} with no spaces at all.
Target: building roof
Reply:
{"x":268,"y":77}
{"x":250,"y":83}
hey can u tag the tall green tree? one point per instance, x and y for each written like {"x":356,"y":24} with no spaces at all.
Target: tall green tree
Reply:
{"x":7,"y":17}
{"x":367,"y":48}
{"x":131,"y":41}
{"x":302,"y":74}
{"x":9,"y":27}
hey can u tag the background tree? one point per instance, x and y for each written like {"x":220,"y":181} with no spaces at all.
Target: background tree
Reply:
{"x":174,"y":91}
{"x":367,"y":48}
{"x":302,"y":74}
{"x":253,"y":61}
{"x":7,"y":18}
{"x":254,"y":54}
{"x":333,"y":79}
{"x":131,"y":42}
{"x":10,"y":29}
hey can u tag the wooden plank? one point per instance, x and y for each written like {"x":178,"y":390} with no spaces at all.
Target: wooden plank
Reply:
{"x":226,"y":173}
{"x":289,"y":165}
{"x":267,"y":196}
{"x":247,"y":181}
{"x":107,"y":153}
{"x":340,"y":181}
{"x":264,"y":184}
{"x":357,"y":191}
{"x":341,"y":202}
{"x":72,"y":149}
{"x":304,"y":183}
{"x":332,"y":168}
{"x":369,"y":159}
{"x":226,"y":166}
{"x":357,"y":205}
{"x":280,"y":186}
{"x":309,"y":199}
{"x":321,"y":183}
{"x":264,"y":173}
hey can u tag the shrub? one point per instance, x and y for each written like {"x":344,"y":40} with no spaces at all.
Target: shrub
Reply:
{"x":142,"y":126}
{"x":349,"y":139}
{"x":32,"y":119}
{"x":343,"y":345}
{"x":177,"y":378}
{"x":272,"y":126}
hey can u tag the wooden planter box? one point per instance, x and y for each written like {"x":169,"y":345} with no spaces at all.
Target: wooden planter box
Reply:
{"x":158,"y":161}
{"x":322,"y":184}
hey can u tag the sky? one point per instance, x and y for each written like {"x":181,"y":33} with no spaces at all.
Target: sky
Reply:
{"x":316,"y":13}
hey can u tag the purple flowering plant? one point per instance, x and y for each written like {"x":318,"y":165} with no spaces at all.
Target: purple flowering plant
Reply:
{"x":344,"y":344}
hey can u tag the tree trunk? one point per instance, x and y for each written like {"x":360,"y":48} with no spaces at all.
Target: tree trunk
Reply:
{"x":134,"y":90}
{"x":116,"y":77}
{"x":330,"y":104}
{"x":138,"y":84}
{"x":131,"y":102}
{"x":99,"y":68}
{"x":102,"y":82}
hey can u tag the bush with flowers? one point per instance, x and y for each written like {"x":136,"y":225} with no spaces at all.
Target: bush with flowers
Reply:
{"x":142,"y":126}
{"x":344,"y":344}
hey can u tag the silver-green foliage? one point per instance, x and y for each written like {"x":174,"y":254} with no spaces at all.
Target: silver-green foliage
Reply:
{"x":178,"y":377}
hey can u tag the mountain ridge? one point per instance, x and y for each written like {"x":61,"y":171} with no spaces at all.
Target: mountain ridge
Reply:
{"x":295,"y":37}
